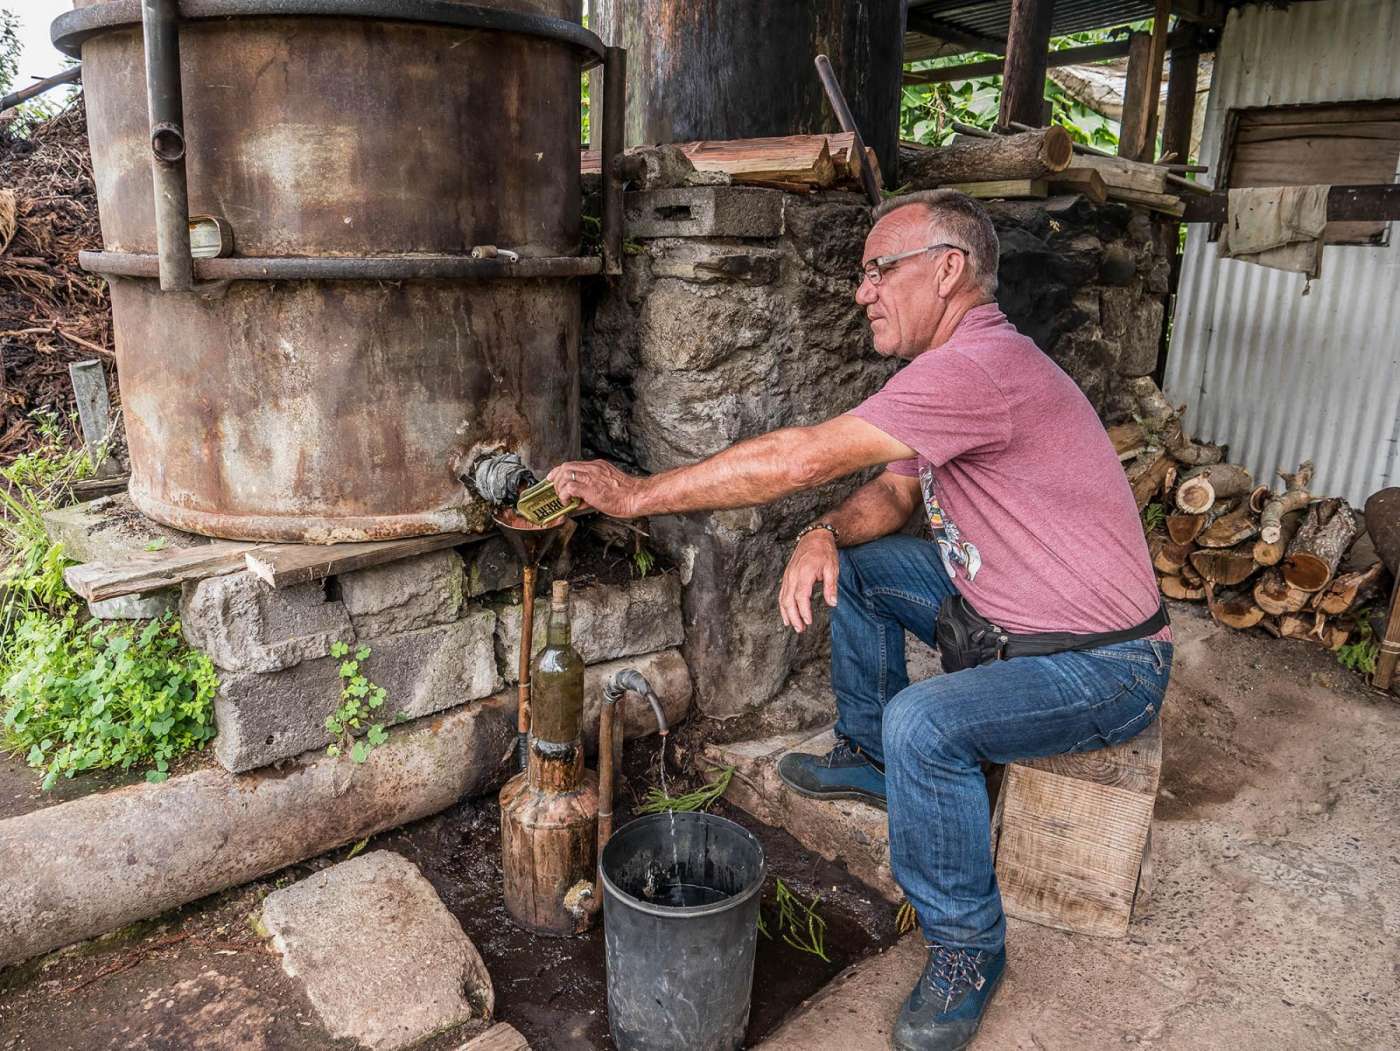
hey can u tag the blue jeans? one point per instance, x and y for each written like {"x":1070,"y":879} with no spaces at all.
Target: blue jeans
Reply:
{"x":933,"y":735}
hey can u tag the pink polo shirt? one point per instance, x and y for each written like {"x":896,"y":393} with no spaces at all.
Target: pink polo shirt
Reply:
{"x":1029,"y":505}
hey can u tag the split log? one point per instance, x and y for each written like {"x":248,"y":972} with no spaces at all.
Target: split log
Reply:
{"x":1270,"y":624}
{"x":1276,"y":596}
{"x":1230,"y":529}
{"x":1268,"y":553}
{"x":1146,"y":476}
{"x":1319,"y":544}
{"x":1196,"y":454}
{"x":1205,"y":485}
{"x":1172,"y":557}
{"x":1258,"y":497}
{"x":1152,"y":404}
{"x":1313,"y":627}
{"x":1177,"y":587}
{"x":1185,"y":528}
{"x":1029,"y":155}
{"x":1189,"y":574}
{"x":1083,"y":181}
{"x":1128,"y":438}
{"x":1233,"y":607}
{"x":1350,"y":590}
{"x":1294,"y":497}
{"x":1383,"y":523}
{"x":1163,"y":421}
{"x":1225,"y":565}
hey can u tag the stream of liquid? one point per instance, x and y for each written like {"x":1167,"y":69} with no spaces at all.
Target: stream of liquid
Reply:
{"x":666,"y":791}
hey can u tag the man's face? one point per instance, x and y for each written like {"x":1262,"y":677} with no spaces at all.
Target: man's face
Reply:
{"x":904,"y":309}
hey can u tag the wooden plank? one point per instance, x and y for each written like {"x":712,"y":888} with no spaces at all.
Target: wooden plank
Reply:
{"x":500,"y":1037}
{"x":1376,"y":202}
{"x":283,"y":565}
{"x":1081,"y":180}
{"x":1166,"y":203}
{"x":800,"y":162}
{"x":146,"y":571}
{"x":1125,"y":174}
{"x":1142,"y":91}
{"x":1134,"y":765}
{"x":1001,"y":188}
{"x":1181,"y":103}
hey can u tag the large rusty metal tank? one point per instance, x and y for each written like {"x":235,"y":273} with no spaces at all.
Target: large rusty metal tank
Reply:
{"x":329,"y":379}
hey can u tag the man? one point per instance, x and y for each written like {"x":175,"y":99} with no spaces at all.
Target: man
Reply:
{"x":1033,"y":525}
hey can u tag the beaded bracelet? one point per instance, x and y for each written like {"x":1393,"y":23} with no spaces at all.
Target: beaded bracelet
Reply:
{"x":820,"y":525}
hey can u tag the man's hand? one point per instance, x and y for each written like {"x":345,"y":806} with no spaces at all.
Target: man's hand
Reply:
{"x":599,"y":485}
{"x":814,"y":559}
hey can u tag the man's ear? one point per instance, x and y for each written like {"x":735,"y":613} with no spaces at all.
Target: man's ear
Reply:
{"x":951,"y":270}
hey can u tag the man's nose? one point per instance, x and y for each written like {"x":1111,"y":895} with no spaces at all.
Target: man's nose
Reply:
{"x":866,"y":292}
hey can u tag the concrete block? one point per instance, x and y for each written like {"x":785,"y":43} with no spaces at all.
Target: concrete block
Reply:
{"x":707,"y":264}
{"x":609,"y":622}
{"x":405,"y":595}
{"x":136,"y":607}
{"x":705,"y":211}
{"x":82,"y":868}
{"x":490,"y":566}
{"x":266,"y":717}
{"x":245,"y":625}
{"x":381,"y":959}
{"x":856,"y":834}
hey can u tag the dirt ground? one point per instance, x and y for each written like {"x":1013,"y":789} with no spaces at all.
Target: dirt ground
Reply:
{"x":1274,"y":922}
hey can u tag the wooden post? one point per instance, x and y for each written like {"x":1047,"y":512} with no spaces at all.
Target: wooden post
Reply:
{"x":1027,"y":51}
{"x":1181,"y":103}
{"x":1137,"y":138}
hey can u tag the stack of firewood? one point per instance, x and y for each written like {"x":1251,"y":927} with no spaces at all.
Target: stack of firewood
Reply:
{"x":1286,"y":560}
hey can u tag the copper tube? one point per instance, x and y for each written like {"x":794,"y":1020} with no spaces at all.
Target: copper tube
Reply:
{"x":611,"y":722}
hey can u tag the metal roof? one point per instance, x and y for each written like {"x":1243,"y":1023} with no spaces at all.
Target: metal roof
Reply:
{"x":991,"y":18}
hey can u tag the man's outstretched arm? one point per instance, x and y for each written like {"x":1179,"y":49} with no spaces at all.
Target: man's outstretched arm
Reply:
{"x":757,"y":471}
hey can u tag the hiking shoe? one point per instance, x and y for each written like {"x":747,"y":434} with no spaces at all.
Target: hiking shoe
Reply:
{"x":945,"y":1008}
{"x":843,"y":773}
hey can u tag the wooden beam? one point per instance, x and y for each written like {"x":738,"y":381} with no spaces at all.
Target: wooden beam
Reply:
{"x":1074,"y":56}
{"x":918,"y":21}
{"x":1181,"y":103}
{"x":1138,"y":135}
{"x":1027,"y":55}
{"x":145,"y":571}
{"x":1378,"y":203}
{"x":282,"y":565}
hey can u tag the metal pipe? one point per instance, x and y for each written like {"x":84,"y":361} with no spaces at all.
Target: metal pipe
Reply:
{"x":837,"y":99}
{"x":614,"y":117}
{"x":160,"y":24}
{"x":349,"y":268}
{"x":69,"y":76}
{"x":527,"y":631}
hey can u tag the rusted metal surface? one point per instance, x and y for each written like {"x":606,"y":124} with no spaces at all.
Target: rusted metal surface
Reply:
{"x":268,"y":405}
{"x":728,"y":69}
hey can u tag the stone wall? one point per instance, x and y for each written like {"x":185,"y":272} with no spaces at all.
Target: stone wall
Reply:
{"x":736,"y":315}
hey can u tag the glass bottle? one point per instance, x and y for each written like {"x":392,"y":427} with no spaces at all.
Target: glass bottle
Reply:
{"x":556,"y":679}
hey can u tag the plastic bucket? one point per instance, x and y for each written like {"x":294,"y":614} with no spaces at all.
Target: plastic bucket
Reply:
{"x":680,"y":922}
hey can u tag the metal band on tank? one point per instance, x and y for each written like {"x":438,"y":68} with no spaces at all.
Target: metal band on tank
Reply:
{"x":70,"y":29}
{"x":347,"y":268}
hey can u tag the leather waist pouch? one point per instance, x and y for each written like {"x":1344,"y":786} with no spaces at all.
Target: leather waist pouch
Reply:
{"x":966,"y":639}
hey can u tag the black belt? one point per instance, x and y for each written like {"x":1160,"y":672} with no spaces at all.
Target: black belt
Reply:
{"x":1059,"y":641}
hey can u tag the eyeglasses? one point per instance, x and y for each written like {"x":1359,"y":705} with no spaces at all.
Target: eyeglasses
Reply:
{"x":874,"y":270}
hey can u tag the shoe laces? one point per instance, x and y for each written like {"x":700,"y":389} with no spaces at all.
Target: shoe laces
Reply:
{"x":842,"y":753}
{"x":952,"y":972}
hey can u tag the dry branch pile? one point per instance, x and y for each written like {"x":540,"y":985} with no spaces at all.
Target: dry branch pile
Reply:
{"x":1288,"y":561}
{"x":51,"y":312}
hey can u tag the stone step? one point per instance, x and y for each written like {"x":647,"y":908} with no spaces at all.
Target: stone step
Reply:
{"x":845,"y":830}
{"x":857,"y":1008}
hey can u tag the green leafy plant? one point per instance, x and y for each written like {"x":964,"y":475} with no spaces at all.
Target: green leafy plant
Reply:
{"x":1360,"y":653}
{"x":1153,"y":515}
{"x":99,"y":695}
{"x":798,"y":922}
{"x":360,"y":699}
{"x":658,"y":802}
{"x":643,"y":560}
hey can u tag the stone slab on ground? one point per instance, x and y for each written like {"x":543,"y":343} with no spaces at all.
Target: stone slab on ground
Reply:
{"x":266,"y":717}
{"x":406,"y":595}
{"x":857,"y":1008}
{"x":108,"y":528}
{"x":382,"y":960}
{"x":609,"y":622}
{"x":839,"y":830}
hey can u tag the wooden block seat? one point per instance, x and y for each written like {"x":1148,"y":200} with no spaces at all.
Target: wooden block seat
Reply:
{"x":1071,"y":835}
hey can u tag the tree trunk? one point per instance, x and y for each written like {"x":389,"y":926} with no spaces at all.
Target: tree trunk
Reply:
{"x":1029,"y":155}
{"x":1313,"y":627}
{"x":1225,"y":565}
{"x":1276,"y":596}
{"x":1271,"y":554}
{"x":1178,"y":588}
{"x":1229,"y":530}
{"x":1233,"y":607}
{"x":1319,"y":545}
{"x":1294,"y":497}
{"x":1185,"y":528}
{"x":1172,"y":557}
{"x":1205,"y":485}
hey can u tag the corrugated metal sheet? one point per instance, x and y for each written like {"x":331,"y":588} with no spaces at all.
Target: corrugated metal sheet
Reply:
{"x":1281,"y":376}
{"x":992,"y":18}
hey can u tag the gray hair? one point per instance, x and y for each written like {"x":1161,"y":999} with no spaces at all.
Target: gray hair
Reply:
{"x":960,"y":219}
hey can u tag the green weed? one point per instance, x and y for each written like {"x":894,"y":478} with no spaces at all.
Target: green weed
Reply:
{"x":798,"y":922}
{"x":360,"y":699}
{"x":658,"y":802}
{"x":1153,"y":515}
{"x":1360,"y":653}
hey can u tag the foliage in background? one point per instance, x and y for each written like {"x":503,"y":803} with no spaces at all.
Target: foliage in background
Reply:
{"x":359,"y":700}
{"x":97,"y":695}
{"x":927,"y":111}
